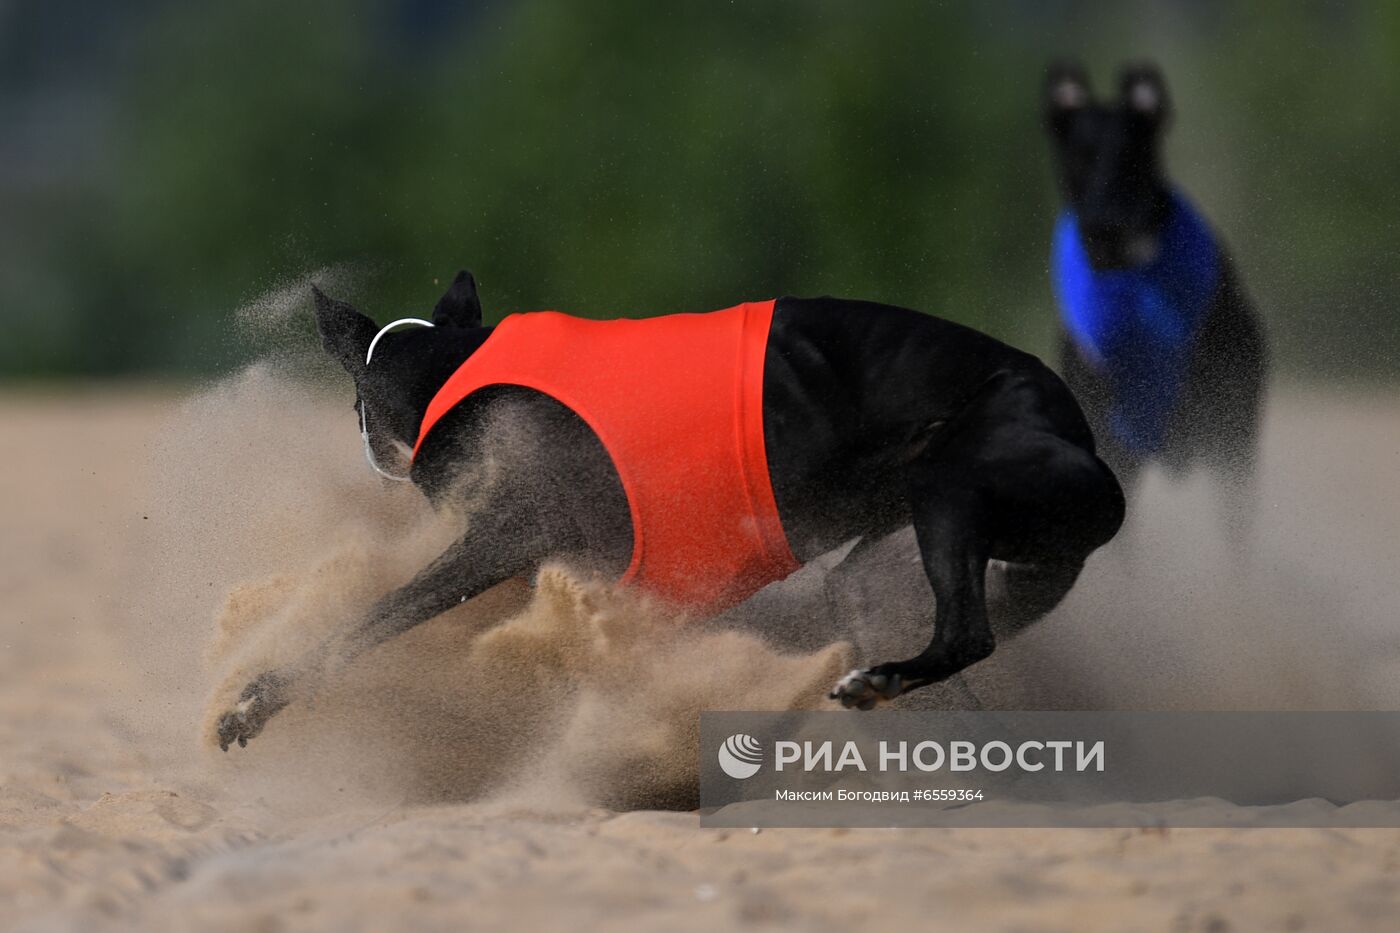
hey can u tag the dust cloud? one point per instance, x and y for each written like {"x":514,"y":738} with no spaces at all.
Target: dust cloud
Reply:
{"x":276,"y":536}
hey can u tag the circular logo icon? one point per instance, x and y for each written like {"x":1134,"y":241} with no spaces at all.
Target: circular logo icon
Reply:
{"x":741,"y":756}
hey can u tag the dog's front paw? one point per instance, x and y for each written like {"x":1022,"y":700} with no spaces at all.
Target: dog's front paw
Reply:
{"x":866,"y":689}
{"x":262,"y":699}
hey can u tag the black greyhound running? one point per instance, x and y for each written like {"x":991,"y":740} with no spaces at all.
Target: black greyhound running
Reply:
{"x":873,"y":417}
{"x":1161,"y":344}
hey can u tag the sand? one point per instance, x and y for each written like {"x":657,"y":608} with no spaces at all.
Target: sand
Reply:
{"x":157,"y":549}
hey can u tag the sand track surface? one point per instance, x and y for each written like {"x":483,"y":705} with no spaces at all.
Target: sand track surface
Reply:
{"x":157,"y":550}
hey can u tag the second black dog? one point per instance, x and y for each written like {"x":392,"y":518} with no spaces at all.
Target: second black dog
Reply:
{"x":1161,"y":344}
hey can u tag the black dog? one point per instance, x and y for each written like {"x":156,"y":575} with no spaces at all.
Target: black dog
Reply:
{"x":873,"y":417}
{"x":1160,"y":343}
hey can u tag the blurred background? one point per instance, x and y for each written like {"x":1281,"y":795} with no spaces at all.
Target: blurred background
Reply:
{"x":163,"y":163}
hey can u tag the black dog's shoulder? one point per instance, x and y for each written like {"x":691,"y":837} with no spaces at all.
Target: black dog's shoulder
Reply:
{"x":511,"y":450}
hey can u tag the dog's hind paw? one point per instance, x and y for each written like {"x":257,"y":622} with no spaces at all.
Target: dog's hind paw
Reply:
{"x":866,"y":689}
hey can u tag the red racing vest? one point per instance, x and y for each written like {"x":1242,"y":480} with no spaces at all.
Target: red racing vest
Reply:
{"x":677,"y":402}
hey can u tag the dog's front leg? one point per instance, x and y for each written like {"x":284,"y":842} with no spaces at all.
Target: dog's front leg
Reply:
{"x":468,"y":568}
{"x":264,"y":697}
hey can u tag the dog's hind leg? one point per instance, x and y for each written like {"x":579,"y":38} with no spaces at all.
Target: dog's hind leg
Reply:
{"x":954,"y":552}
{"x":1013,"y":478}
{"x":1227,"y":402}
{"x":1233,"y":456}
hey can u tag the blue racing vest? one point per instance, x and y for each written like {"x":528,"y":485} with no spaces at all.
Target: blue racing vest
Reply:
{"x":1137,"y":325}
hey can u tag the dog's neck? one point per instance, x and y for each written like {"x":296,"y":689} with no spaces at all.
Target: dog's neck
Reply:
{"x":1175,"y":283}
{"x":435,"y":368}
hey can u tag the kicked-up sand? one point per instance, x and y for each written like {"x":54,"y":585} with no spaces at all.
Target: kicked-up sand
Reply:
{"x":528,"y":759}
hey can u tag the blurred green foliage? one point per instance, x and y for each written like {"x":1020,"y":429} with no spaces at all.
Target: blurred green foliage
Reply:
{"x":630,"y":157}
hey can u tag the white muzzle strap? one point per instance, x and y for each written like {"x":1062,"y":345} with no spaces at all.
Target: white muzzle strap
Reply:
{"x":364,"y":427}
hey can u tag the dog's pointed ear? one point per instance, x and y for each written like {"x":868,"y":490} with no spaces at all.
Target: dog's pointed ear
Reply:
{"x":345,"y":332}
{"x":1064,"y":94}
{"x":1143,"y":91}
{"x":459,"y":306}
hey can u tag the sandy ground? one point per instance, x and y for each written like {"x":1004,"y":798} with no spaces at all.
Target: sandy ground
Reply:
{"x":115,"y":812}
